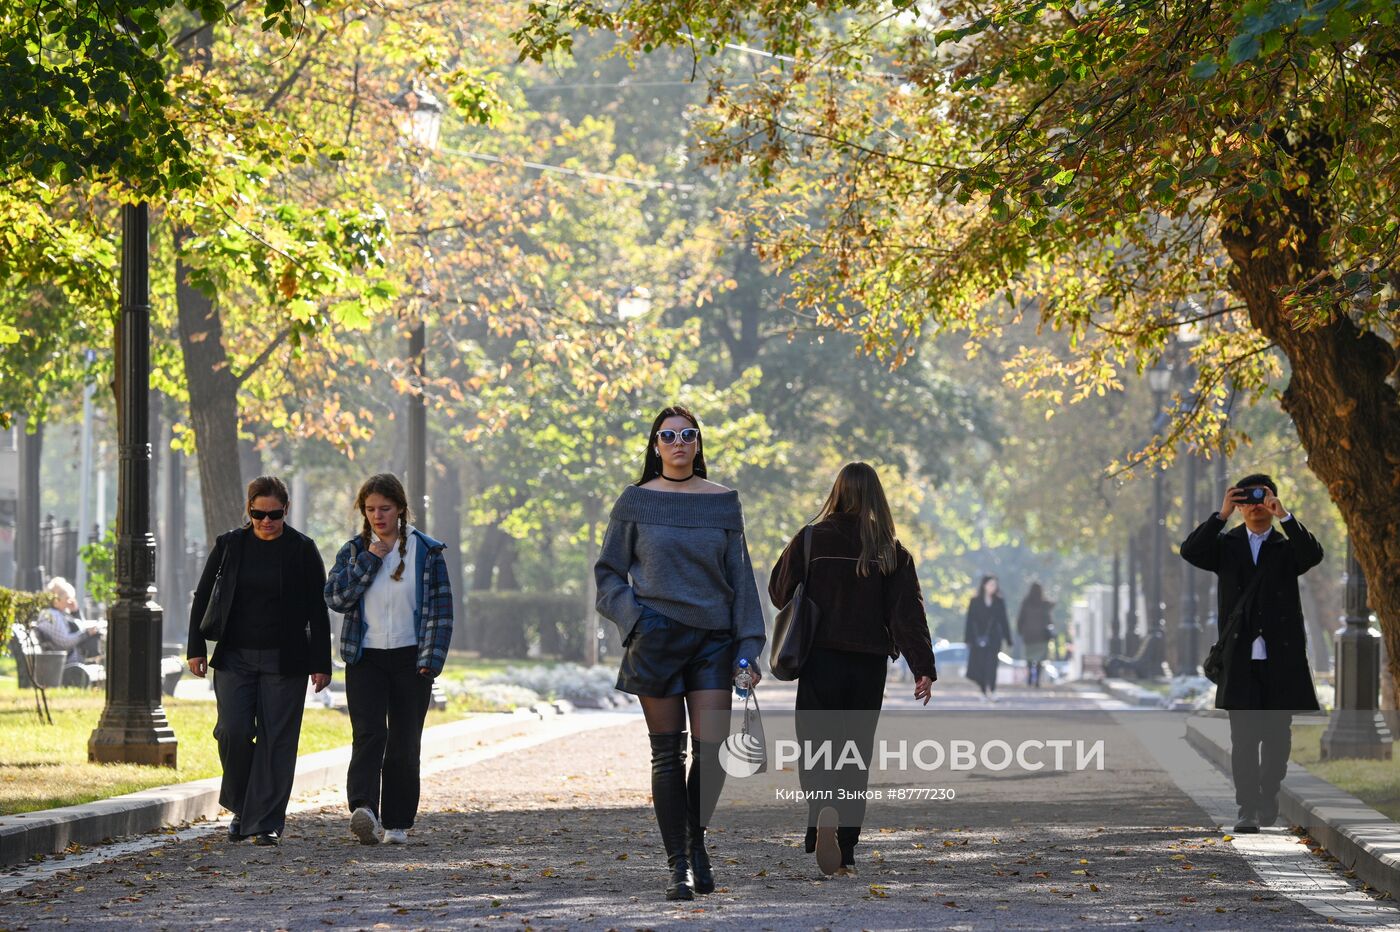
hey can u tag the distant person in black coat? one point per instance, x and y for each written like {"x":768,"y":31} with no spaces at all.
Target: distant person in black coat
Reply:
{"x":986,"y":631}
{"x":1266,"y":676}
{"x":1036,"y":628}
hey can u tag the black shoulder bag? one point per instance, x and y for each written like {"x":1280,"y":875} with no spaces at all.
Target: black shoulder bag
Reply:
{"x":795,"y":628}
{"x":1223,"y":649}
{"x":212,"y":624}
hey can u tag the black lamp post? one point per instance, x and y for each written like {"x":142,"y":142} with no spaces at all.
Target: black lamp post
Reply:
{"x":420,"y":125}
{"x":133,"y":727}
{"x":1190,"y":609}
{"x":1130,"y":618}
{"x":1355,"y":729}
{"x":1159,"y":379}
{"x":1115,"y":629}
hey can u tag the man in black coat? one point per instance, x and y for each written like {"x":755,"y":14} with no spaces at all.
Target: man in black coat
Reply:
{"x":1266,"y":676}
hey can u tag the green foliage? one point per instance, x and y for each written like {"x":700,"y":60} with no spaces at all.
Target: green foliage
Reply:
{"x":85,"y":93}
{"x":19,"y":608}
{"x":1081,"y":167}
{"x":510,"y":621}
{"x":99,"y":559}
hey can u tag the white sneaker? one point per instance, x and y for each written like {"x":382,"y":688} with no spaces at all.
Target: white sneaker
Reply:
{"x":992,"y":698}
{"x":395,"y":836}
{"x":365,"y":826}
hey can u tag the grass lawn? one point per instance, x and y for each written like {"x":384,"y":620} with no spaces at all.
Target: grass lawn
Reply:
{"x":43,"y":766}
{"x":1374,"y":782}
{"x":462,"y":665}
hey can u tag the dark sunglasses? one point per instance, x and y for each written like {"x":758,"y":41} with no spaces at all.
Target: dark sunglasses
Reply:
{"x":277,"y":515}
{"x":689,"y":435}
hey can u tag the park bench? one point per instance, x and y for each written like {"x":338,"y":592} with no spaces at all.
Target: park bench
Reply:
{"x":33,"y":663}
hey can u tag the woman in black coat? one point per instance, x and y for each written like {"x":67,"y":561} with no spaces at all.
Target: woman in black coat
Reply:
{"x":986,"y":631}
{"x":275,"y":632}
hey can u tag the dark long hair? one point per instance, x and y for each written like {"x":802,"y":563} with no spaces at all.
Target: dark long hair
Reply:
{"x":982,"y":587}
{"x":1035,"y":595}
{"x":388,"y":485}
{"x":651,"y":467}
{"x":857,"y":491}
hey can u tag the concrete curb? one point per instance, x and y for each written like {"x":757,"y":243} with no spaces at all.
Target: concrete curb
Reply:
{"x":50,"y":831}
{"x":1361,"y":838}
{"x":1131,"y":693}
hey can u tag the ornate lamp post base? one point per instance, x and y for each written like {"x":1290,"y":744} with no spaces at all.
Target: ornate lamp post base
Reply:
{"x":133,"y":728}
{"x":1356,"y":729}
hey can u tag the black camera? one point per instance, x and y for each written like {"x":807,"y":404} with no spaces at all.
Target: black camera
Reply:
{"x":1254,"y":495}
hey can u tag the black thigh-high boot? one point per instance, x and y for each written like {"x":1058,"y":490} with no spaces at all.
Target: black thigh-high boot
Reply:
{"x":703,"y":786}
{"x":668,"y":798}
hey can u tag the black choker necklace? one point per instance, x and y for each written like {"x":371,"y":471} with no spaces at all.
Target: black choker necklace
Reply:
{"x":686,"y":479}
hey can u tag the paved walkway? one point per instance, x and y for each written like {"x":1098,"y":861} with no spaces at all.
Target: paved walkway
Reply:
{"x":557,"y":832}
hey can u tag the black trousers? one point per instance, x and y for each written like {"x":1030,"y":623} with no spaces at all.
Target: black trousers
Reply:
{"x":839,"y":696}
{"x":388,"y":702}
{"x":1261,"y":740}
{"x":258,"y":729}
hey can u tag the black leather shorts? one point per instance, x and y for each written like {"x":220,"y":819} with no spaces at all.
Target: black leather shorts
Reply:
{"x":663,"y":657}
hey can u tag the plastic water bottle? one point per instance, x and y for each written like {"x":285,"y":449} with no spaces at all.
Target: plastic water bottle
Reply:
{"x":743,"y":680}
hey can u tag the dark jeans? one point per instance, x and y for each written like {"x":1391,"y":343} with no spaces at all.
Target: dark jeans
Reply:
{"x":842,"y":691}
{"x":258,"y":729}
{"x":388,"y":701}
{"x":1261,"y":740}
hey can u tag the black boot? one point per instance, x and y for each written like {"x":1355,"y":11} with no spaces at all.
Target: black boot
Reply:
{"x":703,"y":786}
{"x":668,"y":798}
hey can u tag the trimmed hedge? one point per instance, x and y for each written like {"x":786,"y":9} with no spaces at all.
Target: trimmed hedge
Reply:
{"x":19,"y":607}
{"x":510,"y":622}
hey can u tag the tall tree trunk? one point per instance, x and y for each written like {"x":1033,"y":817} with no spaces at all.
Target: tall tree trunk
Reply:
{"x":1346,"y":412}
{"x":213,"y":402}
{"x":209,"y":375}
{"x":447,"y":527}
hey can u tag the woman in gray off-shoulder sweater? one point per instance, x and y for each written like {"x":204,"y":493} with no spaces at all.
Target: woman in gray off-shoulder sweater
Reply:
{"x":674,"y":575}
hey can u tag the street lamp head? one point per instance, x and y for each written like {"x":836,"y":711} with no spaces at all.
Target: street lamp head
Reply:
{"x":1159,"y":377}
{"x":420,"y":117}
{"x":633,"y":302}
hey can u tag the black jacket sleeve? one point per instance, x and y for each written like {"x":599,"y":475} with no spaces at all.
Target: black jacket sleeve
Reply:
{"x":1307,"y":552}
{"x":196,"y":646}
{"x":319,"y":648}
{"x":787,"y":573}
{"x":1202,"y":547}
{"x":1000,"y":607}
{"x":907,"y":619}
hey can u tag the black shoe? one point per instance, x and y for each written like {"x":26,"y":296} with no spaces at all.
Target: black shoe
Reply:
{"x":234,"y":834}
{"x":267,"y":839}
{"x":668,"y":798}
{"x":1268,"y":813}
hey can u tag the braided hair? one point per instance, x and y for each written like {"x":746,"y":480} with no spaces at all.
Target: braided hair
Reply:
{"x":389,"y":486}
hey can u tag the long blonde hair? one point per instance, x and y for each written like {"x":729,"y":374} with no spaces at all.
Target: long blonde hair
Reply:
{"x":857,"y":491}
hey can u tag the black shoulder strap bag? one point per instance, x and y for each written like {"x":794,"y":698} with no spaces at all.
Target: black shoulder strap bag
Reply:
{"x":1224,"y":649}
{"x":795,"y":628}
{"x":212,"y":624}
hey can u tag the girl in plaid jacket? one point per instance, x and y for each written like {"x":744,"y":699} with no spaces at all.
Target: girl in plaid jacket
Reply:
{"x":390,"y":584}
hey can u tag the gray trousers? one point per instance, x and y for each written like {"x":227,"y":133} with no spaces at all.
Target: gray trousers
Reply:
{"x":258,"y":729}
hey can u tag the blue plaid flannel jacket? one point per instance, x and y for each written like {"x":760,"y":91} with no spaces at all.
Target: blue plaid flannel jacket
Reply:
{"x":354,"y":570}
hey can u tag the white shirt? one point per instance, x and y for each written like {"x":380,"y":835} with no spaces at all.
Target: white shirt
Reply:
{"x":389,"y":603}
{"x":1257,"y":652}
